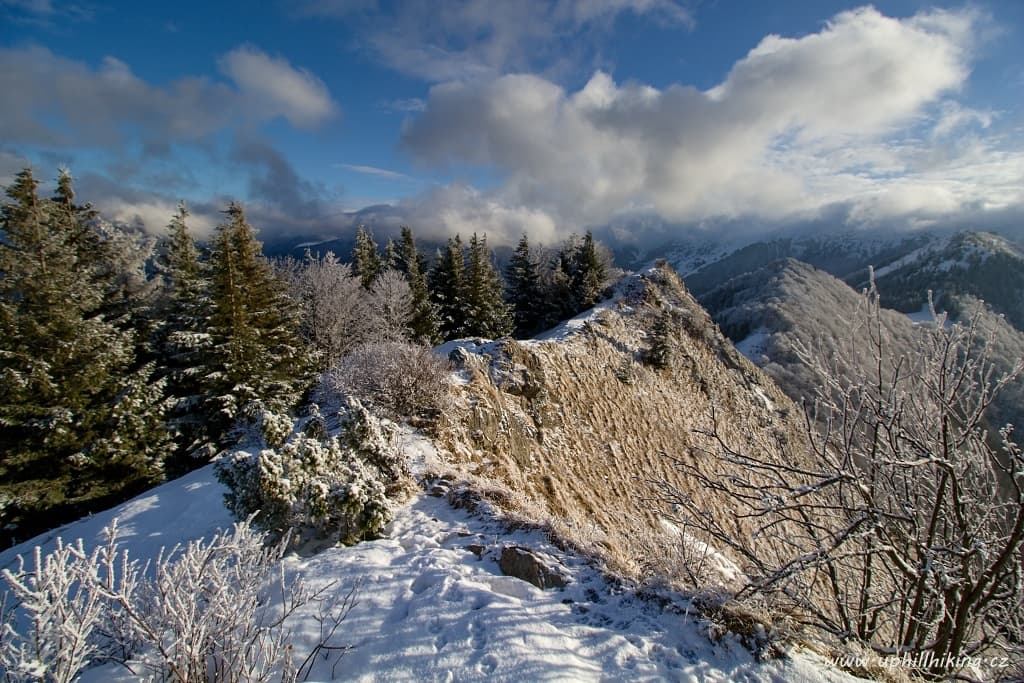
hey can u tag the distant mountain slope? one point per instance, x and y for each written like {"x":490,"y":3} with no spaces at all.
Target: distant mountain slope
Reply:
{"x":977,"y":265}
{"x":768,"y":312}
{"x":846,"y":256}
{"x":982,"y":265}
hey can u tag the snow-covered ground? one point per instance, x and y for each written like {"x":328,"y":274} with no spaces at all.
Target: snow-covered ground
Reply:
{"x":181,"y":510}
{"x":431,"y":609}
{"x":754,"y":345}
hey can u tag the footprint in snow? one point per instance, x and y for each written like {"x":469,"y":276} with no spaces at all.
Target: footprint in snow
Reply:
{"x":477,"y":635}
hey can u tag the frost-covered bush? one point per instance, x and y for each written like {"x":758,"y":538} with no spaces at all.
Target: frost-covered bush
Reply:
{"x":404,"y":380}
{"x":212,"y":610}
{"x":376,"y":443}
{"x":317,"y":486}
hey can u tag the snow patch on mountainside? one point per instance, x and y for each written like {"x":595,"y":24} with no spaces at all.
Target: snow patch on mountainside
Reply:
{"x":755,"y":345}
{"x":913,"y":257}
{"x":176,"y":512}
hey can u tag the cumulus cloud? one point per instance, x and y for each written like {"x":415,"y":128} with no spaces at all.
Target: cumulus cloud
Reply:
{"x":460,"y":39}
{"x":462,"y":209}
{"x":66,"y":102}
{"x":798,"y":125}
{"x":149,"y":211}
{"x":151,"y":137}
{"x":276,"y":87}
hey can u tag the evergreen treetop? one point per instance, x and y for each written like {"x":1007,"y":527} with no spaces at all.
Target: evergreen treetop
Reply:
{"x":423,"y":323}
{"x":524,"y":293}
{"x":486,"y":313}
{"x":447,"y":286}
{"x":366,"y":262}
{"x":257,"y":352}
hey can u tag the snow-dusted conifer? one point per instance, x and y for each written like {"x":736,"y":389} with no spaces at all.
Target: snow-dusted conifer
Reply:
{"x":423,"y":322}
{"x":447,"y":286}
{"x":524,"y":290}
{"x":588,"y":274}
{"x":68,"y":370}
{"x":183,"y":339}
{"x":485,"y":311}
{"x":256,"y":351}
{"x":366,"y":262}
{"x":323,"y":490}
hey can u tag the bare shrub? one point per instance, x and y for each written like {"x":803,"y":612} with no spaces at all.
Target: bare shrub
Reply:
{"x":212,"y":610}
{"x":903,"y":526}
{"x":403,"y":380}
{"x":336,"y":312}
{"x":391,"y":303}
{"x":60,"y":607}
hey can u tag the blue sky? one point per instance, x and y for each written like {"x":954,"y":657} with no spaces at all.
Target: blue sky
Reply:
{"x":511,"y":116}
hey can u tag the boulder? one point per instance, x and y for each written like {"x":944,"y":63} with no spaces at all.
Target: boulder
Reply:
{"x":523,"y":563}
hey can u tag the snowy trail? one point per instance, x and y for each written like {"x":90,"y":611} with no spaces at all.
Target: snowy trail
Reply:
{"x":431,"y":609}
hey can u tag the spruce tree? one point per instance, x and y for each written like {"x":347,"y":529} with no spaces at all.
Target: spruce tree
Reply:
{"x":390,"y":255}
{"x":589,"y":274}
{"x":183,"y":340}
{"x":661,"y":351}
{"x":524,"y":290}
{"x":485,"y":311}
{"x":366,"y":263}
{"x":447,"y":286}
{"x":556,"y":287}
{"x":423,"y":323}
{"x":80,"y":417}
{"x":256,"y":352}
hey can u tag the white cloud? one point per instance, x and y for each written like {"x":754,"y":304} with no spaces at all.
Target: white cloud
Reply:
{"x":378,"y":172}
{"x":279,"y":88}
{"x":153,"y":213}
{"x":66,"y":102}
{"x":151,"y":137}
{"x":461,"y":209}
{"x":797,"y":126}
{"x":954,"y":117}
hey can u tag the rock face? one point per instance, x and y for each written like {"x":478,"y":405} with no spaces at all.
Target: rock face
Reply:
{"x":525,"y":564}
{"x":581,"y":424}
